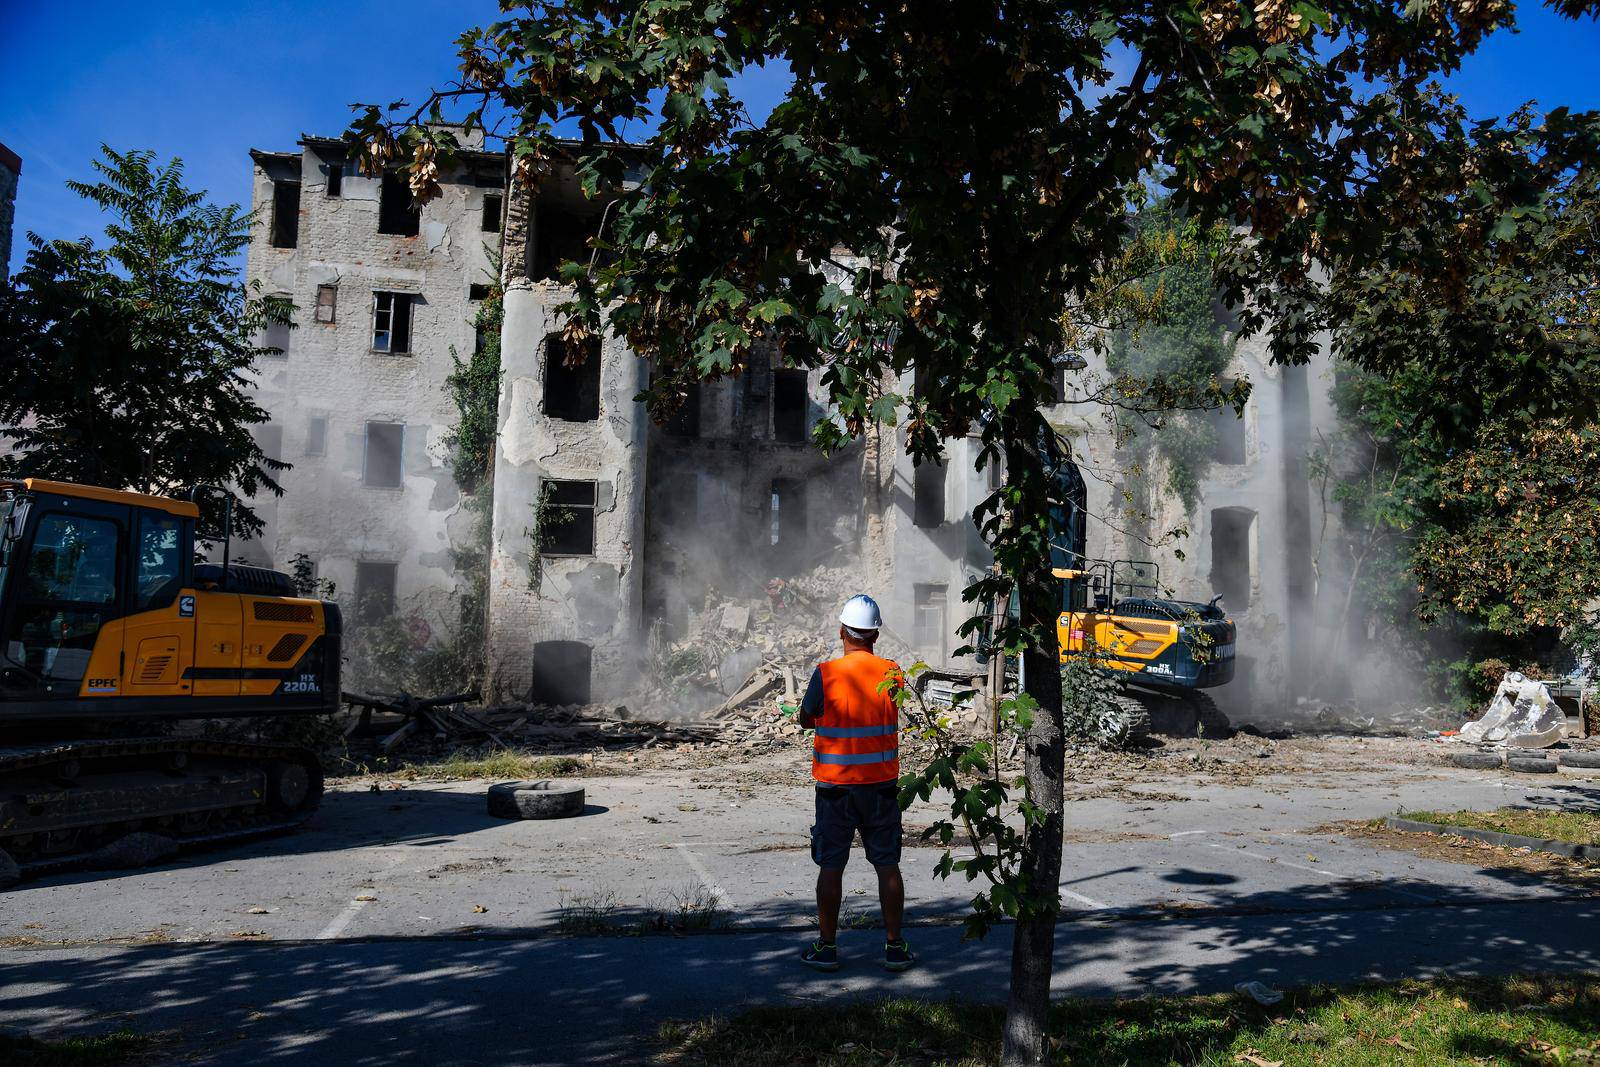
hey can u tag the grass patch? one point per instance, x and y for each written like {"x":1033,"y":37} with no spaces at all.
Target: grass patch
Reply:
{"x":1579,"y":827}
{"x":98,"y":1050}
{"x":1513,"y":1021}
{"x":503,"y":764}
{"x":689,"y":909}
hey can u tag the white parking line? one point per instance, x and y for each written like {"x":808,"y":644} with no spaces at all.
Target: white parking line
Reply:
{"x":1187,"y":833}
{"x":342,"y":920}
{"x":1088,"y":902}
{"x":1335,"y":875}
{"x":718,"y":894}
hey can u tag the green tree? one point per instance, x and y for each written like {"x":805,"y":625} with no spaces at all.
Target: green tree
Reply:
{"x":937,"y":185}
{"x":126,"y":365}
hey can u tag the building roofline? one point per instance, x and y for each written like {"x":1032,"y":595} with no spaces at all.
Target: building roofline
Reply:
{"x":311,"y":140}
{"x":260,"y":156}
{"x":10,"y":160}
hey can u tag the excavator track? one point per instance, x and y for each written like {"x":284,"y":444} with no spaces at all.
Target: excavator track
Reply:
{"x":61,"y":802}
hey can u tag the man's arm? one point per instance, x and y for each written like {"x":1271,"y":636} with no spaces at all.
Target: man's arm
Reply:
{"x":811,"y":703}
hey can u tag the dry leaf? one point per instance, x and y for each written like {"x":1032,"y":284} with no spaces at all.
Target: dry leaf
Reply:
{"x":1255,"y":1057}
{"x":479,"y":909}
{"x":366,"y":897}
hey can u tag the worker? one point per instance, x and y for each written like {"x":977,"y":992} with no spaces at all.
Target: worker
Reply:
{"x":855,"y":760}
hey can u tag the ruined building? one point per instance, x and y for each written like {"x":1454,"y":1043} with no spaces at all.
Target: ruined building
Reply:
{"x":646,"y":524}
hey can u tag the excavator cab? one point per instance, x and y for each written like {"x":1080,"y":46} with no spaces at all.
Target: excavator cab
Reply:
{"x":107,"y":621}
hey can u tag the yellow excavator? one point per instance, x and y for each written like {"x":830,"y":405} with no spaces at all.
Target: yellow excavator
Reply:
{"x":110,"y":630}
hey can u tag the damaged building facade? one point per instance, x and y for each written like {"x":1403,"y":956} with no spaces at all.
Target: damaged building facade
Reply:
{"x":613,"y":537}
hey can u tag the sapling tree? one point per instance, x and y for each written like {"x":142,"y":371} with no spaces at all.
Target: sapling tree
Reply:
{"x":938,"y":183}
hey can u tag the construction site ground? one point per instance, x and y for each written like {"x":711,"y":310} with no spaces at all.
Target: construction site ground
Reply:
{"x":406,"y":925}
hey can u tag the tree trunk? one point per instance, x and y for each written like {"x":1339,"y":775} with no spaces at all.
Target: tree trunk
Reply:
{"x":1033,"y":946}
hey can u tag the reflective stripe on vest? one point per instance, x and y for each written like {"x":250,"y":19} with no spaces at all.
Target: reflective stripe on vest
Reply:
{"x":857,"y":738}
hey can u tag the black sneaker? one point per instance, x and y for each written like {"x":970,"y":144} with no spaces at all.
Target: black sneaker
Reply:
{"x":821,"y":956}
{"x":897,"y":956}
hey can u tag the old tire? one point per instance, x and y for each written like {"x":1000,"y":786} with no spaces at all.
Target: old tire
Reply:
{"x":1580,"y":759}
{"x":10,"y":873}
{"x":1477,"y":761}
{"x":535,"y":800}
{"x":1531,"y":764}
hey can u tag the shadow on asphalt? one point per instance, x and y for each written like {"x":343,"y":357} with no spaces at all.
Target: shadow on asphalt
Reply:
{"x":572,"y":1000}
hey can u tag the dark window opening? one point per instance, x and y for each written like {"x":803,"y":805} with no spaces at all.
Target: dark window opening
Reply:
{"x":1230,"y":556}
{"x":559,"y":236}
{"x":285,"y":214}
{"x":929,"y":619}
{"x":335,"y":178}
{"x":477,"y":292}
{"x":327,"y":303}
{"x":562,"y":672}
{"x":1229,"y":427}
{"x":375,"y":584}
{"x":317,"y":436}
{"x":788,"y":528}
{"x":269,"y":438}
{"x":492,"y":205}
{"x":398,"y":212}
{"x":995,"y":471}
{"x":391,"y":322}
{"x":685,"y":422}
{"x":928,"y":484}
{"x":1058,"y":384}
{"x":572,"y":379}
{"x":566,"y":522}
{"x":789,"y":405}
{"x":382,"y":466}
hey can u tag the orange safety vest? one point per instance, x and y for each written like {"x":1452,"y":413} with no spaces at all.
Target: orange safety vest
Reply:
{"x":858,"y":733}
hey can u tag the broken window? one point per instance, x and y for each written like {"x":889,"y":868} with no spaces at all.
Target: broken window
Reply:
{"x":789,"y":405}
{"x":398,"y":212}
{"x":572,"y":379}
{"x":559,"y":236}
{"x":929,"y":619}
{"x":276,"y":337}
{"x":492,"y":205}
{"x":566,"y":522}
{"x":391,"y":322}
{"x":788,"y":529}
{"x":335,"y":186}
{"x":381,"y":468}
{"x":327,"y":302}
{"x":317,"y":436}
{"x":375,"y":582}
{"x":685,"y":422}
{"x":1232,"y":532}
{"x":562,"y":672}
{"x":1229,"y":426}
{"x":928,"y":485}
{"x":285,"y":214}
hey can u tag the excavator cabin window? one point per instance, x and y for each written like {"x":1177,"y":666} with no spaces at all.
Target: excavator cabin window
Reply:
{"x":66,"y":589}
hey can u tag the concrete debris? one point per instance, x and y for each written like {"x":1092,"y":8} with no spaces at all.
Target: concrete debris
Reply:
{"x":1521,"y":715}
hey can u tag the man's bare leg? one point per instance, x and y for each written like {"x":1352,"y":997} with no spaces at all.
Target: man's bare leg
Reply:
{"x":830,"y":894}
{"x":891,"y":899}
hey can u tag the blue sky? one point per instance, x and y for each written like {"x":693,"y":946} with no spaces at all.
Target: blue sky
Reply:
{"x":209,"y":81}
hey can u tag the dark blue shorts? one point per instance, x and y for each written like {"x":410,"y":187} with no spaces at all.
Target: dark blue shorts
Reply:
{"x":842,"y":810}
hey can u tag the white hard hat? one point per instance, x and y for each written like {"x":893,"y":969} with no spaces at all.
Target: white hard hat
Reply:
{"x":861,"y":613}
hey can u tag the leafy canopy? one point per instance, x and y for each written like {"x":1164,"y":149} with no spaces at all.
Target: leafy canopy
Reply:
{"x":127,"y":365}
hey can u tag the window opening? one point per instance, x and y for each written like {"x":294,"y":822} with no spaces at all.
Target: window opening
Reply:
{"x":788,"y":526}
{"x":560,"y":236}
{"x":572,"y":379}
{"x":385,"y":443}
{"x":285,"y":214}
{"x":492,"y":205}
{"x":685,"y":422}
{"x":789,"y":405}
{"x":398,"y":212}
{"x":477,"y":292}
{"x":335,"y":185}
{"x":562,"y":672}
{"x":317,"y":436}
{"x":391,"y":322}
{"x":375,"y":585}
{"x":275,"y":338}
{"x":1230,"y":433}
{"x":929,"y":618}
{"x":928,"y":486}
{"x":1231,"y":565}
{"x":327,"y":302}
{"x":567,"y":523}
